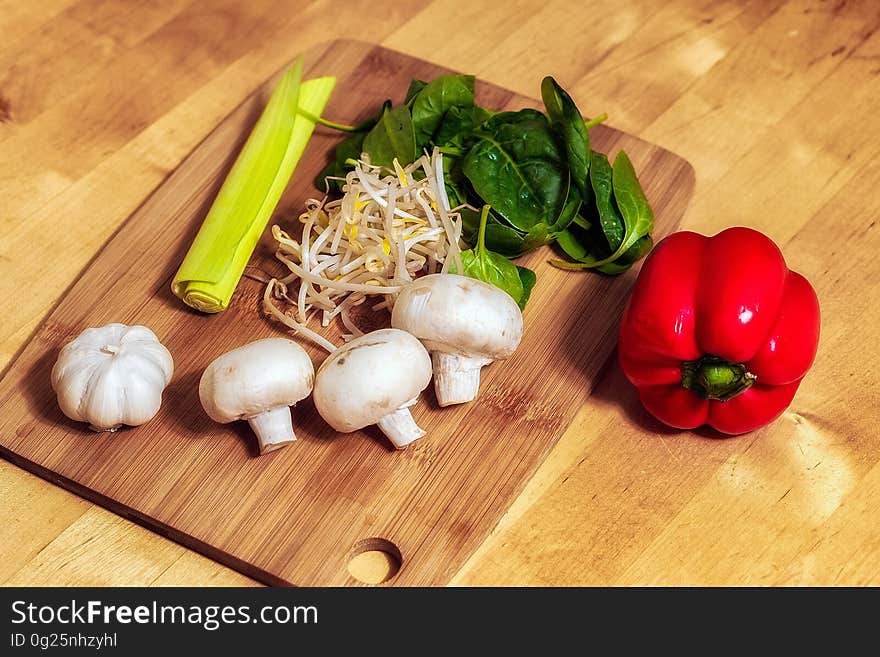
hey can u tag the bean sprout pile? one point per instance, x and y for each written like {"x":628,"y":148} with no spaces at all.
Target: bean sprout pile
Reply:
{"x":389,"y":227}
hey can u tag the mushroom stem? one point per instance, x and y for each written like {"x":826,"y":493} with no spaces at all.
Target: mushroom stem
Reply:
{"x":400,"y":427}
{"x":456,"y":378}
{"x":274,"y":428}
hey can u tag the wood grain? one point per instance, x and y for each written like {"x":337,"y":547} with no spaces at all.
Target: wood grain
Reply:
{"x":771,"y":100}
{"x":296,"y":517}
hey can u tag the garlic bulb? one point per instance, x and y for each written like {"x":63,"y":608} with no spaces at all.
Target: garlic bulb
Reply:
{"x":112,"y":375}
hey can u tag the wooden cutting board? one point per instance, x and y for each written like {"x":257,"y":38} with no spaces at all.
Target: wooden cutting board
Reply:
{"x":298,"y":515}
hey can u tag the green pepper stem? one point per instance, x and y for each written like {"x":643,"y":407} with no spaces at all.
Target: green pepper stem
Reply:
{"x":715,"y":378}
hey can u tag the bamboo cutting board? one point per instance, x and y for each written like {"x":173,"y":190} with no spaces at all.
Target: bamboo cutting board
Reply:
{"x":298,"y":515}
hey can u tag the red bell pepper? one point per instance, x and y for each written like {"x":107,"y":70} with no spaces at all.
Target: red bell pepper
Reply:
{"x":718,"y":331}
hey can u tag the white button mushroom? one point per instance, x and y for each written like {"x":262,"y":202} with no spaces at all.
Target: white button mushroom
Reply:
{"x":465,"y":324}
{"x":373,"y":380}
{"x":112,"y":375}
{"x":258,"y":383}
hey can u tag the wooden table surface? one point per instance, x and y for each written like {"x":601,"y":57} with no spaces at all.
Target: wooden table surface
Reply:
{"x":774,"y":103}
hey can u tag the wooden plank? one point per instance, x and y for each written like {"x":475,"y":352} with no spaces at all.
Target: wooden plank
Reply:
{"x":198,"y":483}
{"x":94,"y":36}
{"x":71,"y":558}
{"x":24,"y":499}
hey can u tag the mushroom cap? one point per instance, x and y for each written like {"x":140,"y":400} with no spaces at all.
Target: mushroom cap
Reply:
{"x":369,"y":378}
{"x":459,"y":315}
{"x":256,"y":378}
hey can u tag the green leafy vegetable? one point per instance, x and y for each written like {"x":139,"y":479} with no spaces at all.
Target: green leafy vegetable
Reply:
{"x":490,"y":267}
{"x":635,"y":214}
{"x":454,"y":135}
{"x":609,"y":218}
{"x":433,"y":101}
{"x":528,"y":279}
{"x":415,"y":86}
{"x":392,"y":137}
{"x":577,"y":245}
{"x":569,"y":126}
{"x":570,"y":208}
{"x":516,"y":167}
{"x":504,"y":239}
{"x":576,"y":242}
{"x":638,"y":217}
{"x":579,"y":220}
{"x":632,"y":255}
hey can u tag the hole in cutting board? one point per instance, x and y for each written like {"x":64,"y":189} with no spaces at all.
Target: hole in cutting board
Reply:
{"x":374,"y":561}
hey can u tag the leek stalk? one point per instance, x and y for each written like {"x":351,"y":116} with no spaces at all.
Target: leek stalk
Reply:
{"x":213,"y":266}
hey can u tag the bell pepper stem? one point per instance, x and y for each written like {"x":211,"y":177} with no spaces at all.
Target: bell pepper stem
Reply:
{"x":715,"y":378}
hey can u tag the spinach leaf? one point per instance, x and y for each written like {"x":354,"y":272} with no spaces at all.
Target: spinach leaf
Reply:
{"x":482,"y":114}
{"x":583,"y":239}
{"x":577,"y":243}
{"x":505,"y":240}
{"x":528,"y":278}
{"x":537,"y":236}
{"x":632,"y":255}
{"x":583,"y":222}
{"x":633,"y":240}
{"x":392,"y":137}
{"x":510,"y":242}
{"x":570,"y":208}
{"x":431,"y":104}
{"x":490,"y":267}
{"x":638,"y":217}
{"x":455,"y":132}
{"x":454,"y":125}
{"x":516,"y":167}
{"x":415,"y":86}
{"x":609,"y":217}
{"x":569,"y":126}
{"x":502,"y":238}
{"x":499,"y":237}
